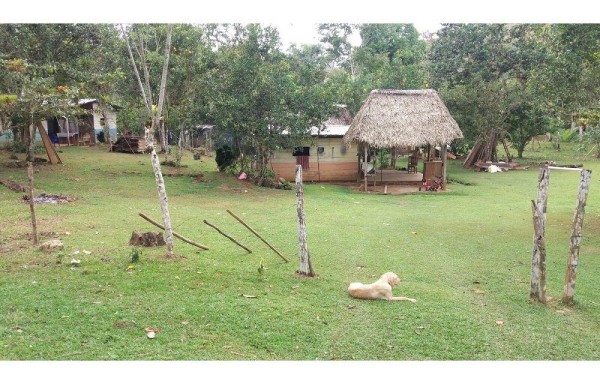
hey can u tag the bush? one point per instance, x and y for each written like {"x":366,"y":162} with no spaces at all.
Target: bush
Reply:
{"x":225,"y":157}
{"x":18,"y":147}
{"x":568,"y":135}
{"x":591,"y":137}
{"x":100,"y":137}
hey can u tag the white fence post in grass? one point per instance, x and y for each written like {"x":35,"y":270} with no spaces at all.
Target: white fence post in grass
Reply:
{"x":538,"y":260}
{"x":576,"y":233}
{"x":305,"y":264}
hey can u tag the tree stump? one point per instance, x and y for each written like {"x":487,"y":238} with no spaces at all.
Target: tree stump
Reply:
{"x":147,"y":239}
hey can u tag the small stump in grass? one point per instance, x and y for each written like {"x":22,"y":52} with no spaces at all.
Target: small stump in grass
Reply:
{"x":147,"y":239}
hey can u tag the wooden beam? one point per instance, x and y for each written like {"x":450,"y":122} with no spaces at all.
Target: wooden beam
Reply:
{"x":257,"y":235}
{"x":227,"y":236}
{"x":444,"y":156}
{"x":174,"y":234}
{"x":52,"y":155}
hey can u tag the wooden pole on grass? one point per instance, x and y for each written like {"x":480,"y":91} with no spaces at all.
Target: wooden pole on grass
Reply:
{"x":306,"y":268}
{"x":538,"y":259}
{"x":227,"y":236}
{"x":174,"y":234}
{"x":257,"y":235}
{"x":576,"y":234}
{"x":32,"y":203}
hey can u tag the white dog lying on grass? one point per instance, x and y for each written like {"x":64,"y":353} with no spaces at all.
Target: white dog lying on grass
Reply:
{"x":381,"y":289}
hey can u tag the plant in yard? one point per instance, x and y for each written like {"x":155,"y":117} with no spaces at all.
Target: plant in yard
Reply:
{"x":591,"y":139}
{"x":135,"y":254}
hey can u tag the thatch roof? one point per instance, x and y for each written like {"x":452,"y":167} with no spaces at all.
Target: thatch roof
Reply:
{"x":392,"y":118}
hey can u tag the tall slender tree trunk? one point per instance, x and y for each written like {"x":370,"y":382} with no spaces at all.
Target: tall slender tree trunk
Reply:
{"x":162,"y":197}
{"x":155,"y":114}
{"x":31,"y":141}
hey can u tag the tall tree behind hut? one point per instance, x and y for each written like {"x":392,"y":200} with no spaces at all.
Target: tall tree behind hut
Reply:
{"x":486,"y":72}
{"x":154,"y":113}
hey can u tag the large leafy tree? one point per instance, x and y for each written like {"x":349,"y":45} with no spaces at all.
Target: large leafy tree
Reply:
{"x":391,"y":56}
{"x":487,"y":72}
{"x":259,"y":92}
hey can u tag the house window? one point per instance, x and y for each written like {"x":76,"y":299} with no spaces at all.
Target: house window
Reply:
{"x":302,"y":155}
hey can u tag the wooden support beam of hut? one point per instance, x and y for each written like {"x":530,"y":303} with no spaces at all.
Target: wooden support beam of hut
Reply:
{"x":444,"y":156}
{"x":204,"y":247}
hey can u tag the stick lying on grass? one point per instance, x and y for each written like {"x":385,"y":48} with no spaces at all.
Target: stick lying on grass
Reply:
{"x":227,"y":236}
{"x":174,"y":234}
{"x":257,"y":235}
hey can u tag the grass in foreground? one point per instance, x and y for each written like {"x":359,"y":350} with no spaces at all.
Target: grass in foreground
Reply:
{"x":464,"y":255}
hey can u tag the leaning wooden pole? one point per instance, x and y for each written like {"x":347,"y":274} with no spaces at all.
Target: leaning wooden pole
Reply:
{"x":174,"y":233}
{"x":306,"y":268}
{"x":538,"y":259}
{"x":32,"y":202}
{"x":227,"y":236}
{"x":257,"y":235}
{"x":576,"y":234}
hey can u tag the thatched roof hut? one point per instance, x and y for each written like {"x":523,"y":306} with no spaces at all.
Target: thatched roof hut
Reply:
{"x":394,"y":118}
{"x":403,"y":118}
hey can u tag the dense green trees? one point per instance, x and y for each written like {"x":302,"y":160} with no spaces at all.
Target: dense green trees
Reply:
{"x":510,"y":79}
{"x":515,"y":78}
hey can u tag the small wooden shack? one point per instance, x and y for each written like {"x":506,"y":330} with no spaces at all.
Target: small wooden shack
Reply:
{"x":403,"y":118}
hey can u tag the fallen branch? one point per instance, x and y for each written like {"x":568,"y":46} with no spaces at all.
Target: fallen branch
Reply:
{"x":174,"y":234}
{"x":227,"y":236}
{"x":257,"y":235}
{"x":12,"y":185}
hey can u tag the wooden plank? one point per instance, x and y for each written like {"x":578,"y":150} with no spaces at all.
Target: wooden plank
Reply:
{"x":174,"y":234}
{"x":52,"y":155}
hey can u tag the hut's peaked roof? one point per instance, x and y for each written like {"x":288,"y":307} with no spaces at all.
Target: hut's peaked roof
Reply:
{"x":390,"y":118}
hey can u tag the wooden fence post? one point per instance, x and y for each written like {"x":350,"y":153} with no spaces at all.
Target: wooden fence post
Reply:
{"x":538,"y":259}
{"x":576,"y":233}
{"x":305,"y":264}
{"x":32,"y":202}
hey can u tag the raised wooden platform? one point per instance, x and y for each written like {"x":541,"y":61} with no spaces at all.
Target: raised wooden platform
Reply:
{"x":394,"y":177}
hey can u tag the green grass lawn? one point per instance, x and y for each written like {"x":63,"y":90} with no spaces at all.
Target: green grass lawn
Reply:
{"x":465,"y":255}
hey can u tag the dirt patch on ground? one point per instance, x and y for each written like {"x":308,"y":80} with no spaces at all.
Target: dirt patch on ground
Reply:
{"x":50,"y":199}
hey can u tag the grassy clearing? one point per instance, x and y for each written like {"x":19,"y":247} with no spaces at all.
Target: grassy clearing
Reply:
{"x":464,"y":255}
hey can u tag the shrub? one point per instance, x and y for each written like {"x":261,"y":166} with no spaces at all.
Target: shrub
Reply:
{"x":225,"y":157}
{"x":567,"y":135}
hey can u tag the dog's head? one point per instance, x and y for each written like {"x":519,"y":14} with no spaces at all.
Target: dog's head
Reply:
{"x":392,"y":278}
